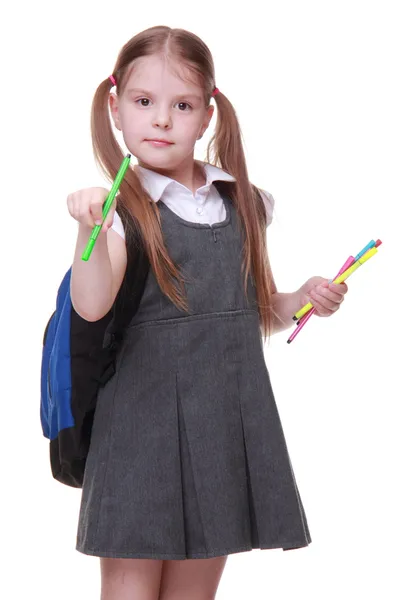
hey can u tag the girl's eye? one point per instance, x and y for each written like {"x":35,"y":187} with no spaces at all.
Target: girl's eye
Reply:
{"x":183,"y":104}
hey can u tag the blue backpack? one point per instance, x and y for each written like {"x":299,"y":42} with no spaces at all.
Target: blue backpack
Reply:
{"x":79,"y":357}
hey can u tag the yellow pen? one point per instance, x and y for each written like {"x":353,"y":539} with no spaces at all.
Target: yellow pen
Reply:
{"x":340,"y":279}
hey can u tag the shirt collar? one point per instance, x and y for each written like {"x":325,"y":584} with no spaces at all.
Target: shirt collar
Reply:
{"x":155,"y":184}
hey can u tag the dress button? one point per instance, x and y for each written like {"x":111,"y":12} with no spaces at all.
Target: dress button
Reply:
{"x":199,"y":211}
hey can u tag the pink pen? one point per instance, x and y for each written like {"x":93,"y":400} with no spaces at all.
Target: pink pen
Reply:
{"x":304,"y":319}
{"x":300,"y":324}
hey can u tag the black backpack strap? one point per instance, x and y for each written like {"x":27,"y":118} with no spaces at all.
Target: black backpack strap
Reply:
{"x":130,"y":293}
{"x":225,"y":189}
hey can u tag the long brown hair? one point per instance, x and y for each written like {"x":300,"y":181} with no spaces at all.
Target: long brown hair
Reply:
{"x":225,"y":150}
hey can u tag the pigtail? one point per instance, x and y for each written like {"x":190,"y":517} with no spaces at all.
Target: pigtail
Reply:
{"x":225,"y":150}
{"x":143,"y":211}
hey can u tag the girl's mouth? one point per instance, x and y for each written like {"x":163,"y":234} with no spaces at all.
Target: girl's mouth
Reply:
{"x":159,"y":143}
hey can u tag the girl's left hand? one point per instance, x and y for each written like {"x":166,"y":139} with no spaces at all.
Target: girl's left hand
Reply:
{"x":325,"y":297}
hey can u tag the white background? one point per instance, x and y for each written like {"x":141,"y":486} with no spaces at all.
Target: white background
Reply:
{"x":316,"y":88}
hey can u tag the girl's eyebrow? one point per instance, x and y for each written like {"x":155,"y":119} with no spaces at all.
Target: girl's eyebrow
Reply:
{"x":147,"y":93}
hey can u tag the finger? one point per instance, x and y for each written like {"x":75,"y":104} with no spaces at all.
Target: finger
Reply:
{"x":109,"y":220}
{"x":324,"y":302}
{"x":80,"y":212}
{"x":80,"y":209}
{"x":96,"y":211}
{"x":332,"y":296}
{"x":320,"y":310}
{"x":339,"y":288}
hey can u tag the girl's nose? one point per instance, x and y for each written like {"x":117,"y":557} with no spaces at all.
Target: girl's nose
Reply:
{"x":162,"y":120}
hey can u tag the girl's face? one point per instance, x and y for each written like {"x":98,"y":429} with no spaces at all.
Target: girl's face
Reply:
{"x":157,"y":104}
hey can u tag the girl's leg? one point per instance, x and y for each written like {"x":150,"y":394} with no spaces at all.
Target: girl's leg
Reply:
{"x":191,"y":579}
{"x":128,"y":578}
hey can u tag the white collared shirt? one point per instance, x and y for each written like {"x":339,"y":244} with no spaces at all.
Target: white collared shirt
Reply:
{"x":205,"y":206}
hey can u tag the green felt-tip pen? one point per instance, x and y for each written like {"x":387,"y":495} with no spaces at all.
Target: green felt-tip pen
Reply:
{"x":106,"y":206}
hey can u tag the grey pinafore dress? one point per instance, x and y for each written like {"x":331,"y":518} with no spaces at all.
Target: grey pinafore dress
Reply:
{"x":188,"y":457}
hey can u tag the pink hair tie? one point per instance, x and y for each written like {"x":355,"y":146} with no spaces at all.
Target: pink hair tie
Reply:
{"x":113,"y":79}
{"x":215,"y":92}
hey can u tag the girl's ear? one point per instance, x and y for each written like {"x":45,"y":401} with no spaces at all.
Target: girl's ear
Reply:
{"x":210,"y":112}
{"x":113,"y":103}
{"x":207,"y":119}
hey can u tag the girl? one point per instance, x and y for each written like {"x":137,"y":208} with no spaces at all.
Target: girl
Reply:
{"x":188,"y":458}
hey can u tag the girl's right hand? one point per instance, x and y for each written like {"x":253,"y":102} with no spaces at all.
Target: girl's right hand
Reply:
{"x":86,"y":207}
